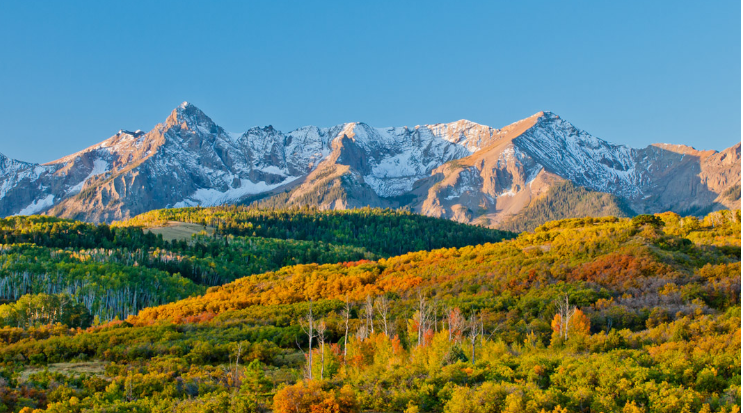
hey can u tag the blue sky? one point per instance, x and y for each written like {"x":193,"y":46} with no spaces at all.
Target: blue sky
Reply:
{"x":73,"y":73}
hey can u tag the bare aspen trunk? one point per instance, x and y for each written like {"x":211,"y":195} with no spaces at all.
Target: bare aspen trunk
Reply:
{"x":369,"y":312}
{"x":423,"y":311}
{"x":321,"y":327}
{"x":474,"y":331}
{"x":566,"y":313}
{"x":382,"y":305}
{"x":310,"y":334}
{"x":237,"y":364}
{"x":311,"y":321}
{"x":346,"y":314}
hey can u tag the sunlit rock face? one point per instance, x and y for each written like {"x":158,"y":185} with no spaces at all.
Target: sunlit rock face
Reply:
{"x":460,"y":170}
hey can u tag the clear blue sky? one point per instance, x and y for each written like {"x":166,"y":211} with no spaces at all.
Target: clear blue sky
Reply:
{"x":632,"y":72}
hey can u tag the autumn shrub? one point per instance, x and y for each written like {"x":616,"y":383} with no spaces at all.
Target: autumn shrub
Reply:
{"x":647,"y":219}
{"x":309,"y":397}
{"x":487,"y":398}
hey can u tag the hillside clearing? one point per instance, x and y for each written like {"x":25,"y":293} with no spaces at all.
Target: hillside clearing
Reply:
{"x":90,"y":368}
{"x":179,"y":231}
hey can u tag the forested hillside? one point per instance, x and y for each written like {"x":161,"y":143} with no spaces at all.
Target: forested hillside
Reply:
{"x":115,"y":271}
{"x":382,"y":231}
{"x":566,"y":200}
{"x":586,"y":315}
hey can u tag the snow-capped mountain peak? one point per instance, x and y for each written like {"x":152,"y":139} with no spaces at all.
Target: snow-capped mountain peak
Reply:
{"x":442,"y":169}
{"x":188,"y":116}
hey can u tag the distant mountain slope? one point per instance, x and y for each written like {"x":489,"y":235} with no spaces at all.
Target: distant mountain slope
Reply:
{"x":461,"y":170}
{"x":566,"y":200}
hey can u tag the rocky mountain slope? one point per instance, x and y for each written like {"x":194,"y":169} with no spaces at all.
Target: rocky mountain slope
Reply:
{"x":460,"y":170}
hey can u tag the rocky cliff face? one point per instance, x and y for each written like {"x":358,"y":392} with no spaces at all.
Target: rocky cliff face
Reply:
{"x":187,"y":160}
{"x":531,"y":155}
{"x":460,"y":170}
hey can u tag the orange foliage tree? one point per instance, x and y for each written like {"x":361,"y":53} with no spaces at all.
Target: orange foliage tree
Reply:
{"x":578,"y":324}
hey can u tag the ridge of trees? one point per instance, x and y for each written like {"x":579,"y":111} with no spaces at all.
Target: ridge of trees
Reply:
{"x":381,"y":231}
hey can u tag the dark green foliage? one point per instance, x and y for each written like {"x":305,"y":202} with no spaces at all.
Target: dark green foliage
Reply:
{"x":566,"y":200}
{"x":63,"y":233}
{"x":454,"y":355}
{"x":381,"y":231}
{"x":324,"y":193}
{"x":645,"y":219}
{"x":204,"y":260}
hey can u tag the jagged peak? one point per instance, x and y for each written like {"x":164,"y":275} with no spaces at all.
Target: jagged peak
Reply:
{"x":352,"y":125}
{"x":349,"y":128}
{"x":547,"y":114}
{"x":684,"y":149}
{"x":135,"y":134}
{"x":466,"y":122}
{"x":676,"y":146}
{"x":541,"y":116}
{"x":307,"y":128}
{"x":460,"y":124}
{"x":7,"y":161}
{"x":568,"y":131}
{"x":265,"y":130}
{"x":187,"y":108}
{"x":188,"y":114}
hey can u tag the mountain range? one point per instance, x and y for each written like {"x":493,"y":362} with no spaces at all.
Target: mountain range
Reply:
{"x":462,"y":170}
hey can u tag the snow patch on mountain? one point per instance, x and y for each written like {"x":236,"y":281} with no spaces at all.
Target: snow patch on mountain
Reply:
{"x":532,"y":174}
{"x":37,"y":206}
{"x":213,"y":197}
{"x":12,"y":172}
{"x":468,"y":180}
{"x":99,"y":166}
{"x":470,"y":135}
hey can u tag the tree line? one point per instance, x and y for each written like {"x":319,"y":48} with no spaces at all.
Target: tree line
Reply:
{"x":381,"y":231}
